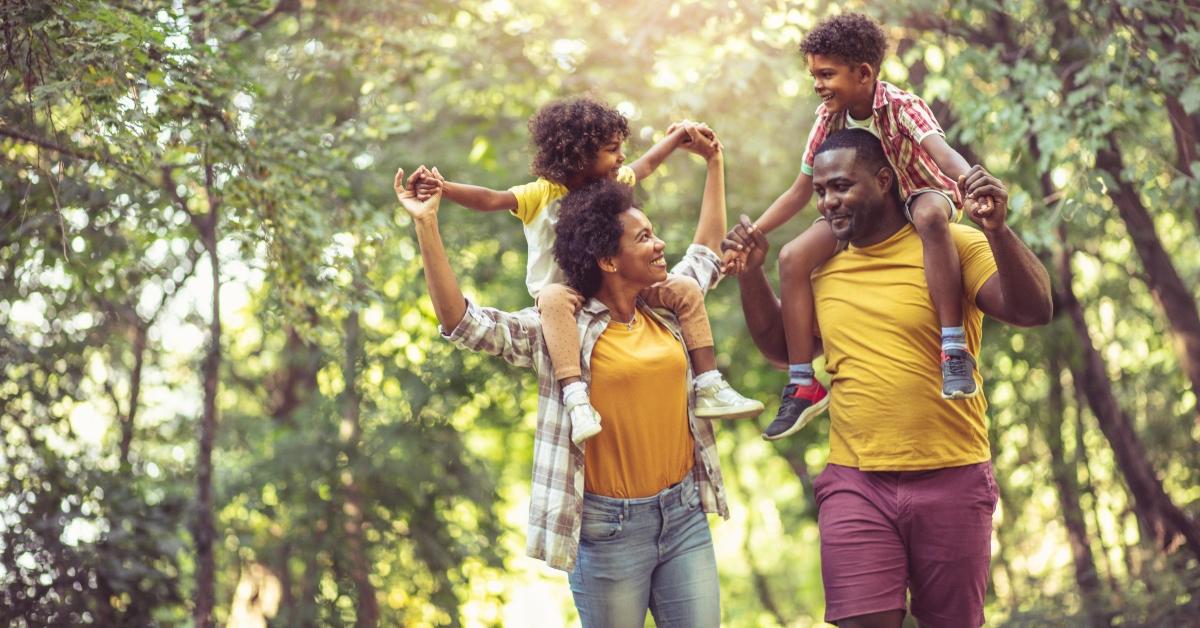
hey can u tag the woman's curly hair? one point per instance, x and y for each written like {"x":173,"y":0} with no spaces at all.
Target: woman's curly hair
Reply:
{"x":851,"y":37}
{"x":567,"y":134}
{"x":589,"y":228}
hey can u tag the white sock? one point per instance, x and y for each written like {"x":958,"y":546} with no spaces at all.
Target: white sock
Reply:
{"x":573,"y":392}
{"x":707,"y":378}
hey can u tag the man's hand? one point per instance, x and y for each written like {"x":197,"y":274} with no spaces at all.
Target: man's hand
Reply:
{"x":406,"y":193}
{"x":987,"y":198}
{"x":745,"y":248}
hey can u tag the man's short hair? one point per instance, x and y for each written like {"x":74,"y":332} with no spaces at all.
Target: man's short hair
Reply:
{"x":851,"y":37}
{"x":589,"y":228}
{"x":867,"y":148}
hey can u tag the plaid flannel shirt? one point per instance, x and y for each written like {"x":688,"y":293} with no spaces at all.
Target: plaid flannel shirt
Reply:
{"x":903,"y":120}
{"x":556,"y":501}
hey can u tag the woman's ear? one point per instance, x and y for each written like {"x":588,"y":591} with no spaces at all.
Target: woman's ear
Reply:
{"x":607,"y":264}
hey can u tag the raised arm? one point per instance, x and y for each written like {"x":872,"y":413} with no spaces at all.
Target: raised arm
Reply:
{"x":479,"y":198}
{"x":449,"y":304}
{"x":760,"y":306}
{"x":710,"y":227}
{"x":653,"y":158}
{"x":1019,"y":292}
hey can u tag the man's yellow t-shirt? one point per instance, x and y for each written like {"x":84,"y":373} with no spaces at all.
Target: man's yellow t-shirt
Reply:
{"x":882,"y":344}
{"x":537,"y":207}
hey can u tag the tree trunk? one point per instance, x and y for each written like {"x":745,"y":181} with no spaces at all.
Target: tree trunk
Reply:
{"x":1067,"y":488}
{"x":352,"y":508}
{"x":1172,"y":295}
{"x":1160,"y":519}
{"x":204,"y":532}
{"x":135,"y":388}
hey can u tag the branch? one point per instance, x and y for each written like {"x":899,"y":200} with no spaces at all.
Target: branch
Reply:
{"x":71,"y":151}
{"x":281,"y":7}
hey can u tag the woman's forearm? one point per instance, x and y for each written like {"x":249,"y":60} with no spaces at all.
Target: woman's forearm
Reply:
{"x":710,"y":228}
{"x":448,"y":302}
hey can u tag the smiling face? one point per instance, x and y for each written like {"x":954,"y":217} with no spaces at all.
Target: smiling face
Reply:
{"x":843,"y":86}
{"x":608,"y":160}
{"x":850,"y":196}
{"x":639,"y":260}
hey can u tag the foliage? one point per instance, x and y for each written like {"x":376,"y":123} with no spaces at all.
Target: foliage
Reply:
{"x":125,"y":125}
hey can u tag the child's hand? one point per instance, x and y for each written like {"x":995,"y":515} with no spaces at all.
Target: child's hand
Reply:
{"x":987,"y":198}
{"x":700,"y":139}
{"x":427,"y":183}
{"x":406,"y":193}
{"x":974,"y":203}
{"x":733,"y":262}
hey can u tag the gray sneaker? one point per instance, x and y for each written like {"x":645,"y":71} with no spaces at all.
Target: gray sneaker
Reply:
{"x":958,"y":375}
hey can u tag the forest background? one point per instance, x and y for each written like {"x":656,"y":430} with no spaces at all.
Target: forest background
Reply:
{"x":223,"y":398}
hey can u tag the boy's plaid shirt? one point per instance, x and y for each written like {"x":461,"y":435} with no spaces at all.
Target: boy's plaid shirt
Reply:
{"x":556,"y":501}
{"x":903,"y":120}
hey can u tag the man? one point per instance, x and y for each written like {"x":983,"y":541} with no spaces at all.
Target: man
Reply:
{"x":907,"y":498}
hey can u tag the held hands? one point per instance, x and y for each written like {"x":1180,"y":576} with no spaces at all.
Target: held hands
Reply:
{"x":428,"y":182}
{"x":696,"y":137}
{"x":408,"y":192}
{"x":987,"y":198}
{"x":744,"y":248}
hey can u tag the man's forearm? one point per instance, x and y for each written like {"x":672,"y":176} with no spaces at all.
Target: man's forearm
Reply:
{"x":1023,"y":280}
{"x":764,"y":319}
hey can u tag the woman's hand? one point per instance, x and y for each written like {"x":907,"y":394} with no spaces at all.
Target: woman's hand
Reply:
{"x":406,"y":193}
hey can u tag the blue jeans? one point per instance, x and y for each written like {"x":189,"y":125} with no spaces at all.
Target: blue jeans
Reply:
{"x":651,"y":553}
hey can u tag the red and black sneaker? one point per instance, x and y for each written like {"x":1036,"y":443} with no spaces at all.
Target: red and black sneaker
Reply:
{"x":799,"y":406}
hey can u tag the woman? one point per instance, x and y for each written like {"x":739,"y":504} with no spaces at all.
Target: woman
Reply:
{"x":625,"y":513}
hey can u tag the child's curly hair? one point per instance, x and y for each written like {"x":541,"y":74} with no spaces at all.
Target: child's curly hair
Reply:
{"x":589,"y":228}
{"x":851,"y":37}
{"x":568,"y":133}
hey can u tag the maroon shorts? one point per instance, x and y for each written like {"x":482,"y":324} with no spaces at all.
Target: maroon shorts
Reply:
{"x":886,"y":531}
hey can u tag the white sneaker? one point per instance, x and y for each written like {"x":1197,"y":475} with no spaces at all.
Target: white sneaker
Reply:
{"x":585,"y":421}
{"x":718,"y":400}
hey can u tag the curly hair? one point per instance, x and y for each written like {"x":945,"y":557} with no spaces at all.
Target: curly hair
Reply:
{"x":851,"y":37}
{"x":567,"y":134}
{"x":589,"y":228}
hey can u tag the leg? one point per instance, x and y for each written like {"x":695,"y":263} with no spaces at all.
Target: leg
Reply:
{"x":612,"y":575}
{"x":930,"y":212}
{"x":804,"y":397}
{"x":556,"y":307}
{"x":950,"y":542}
{"x":864,"y":563}
{"x":685,"y":590}
{"x":797,"y":261}
{"x":715,"y":398}
{"x":683,"y":296}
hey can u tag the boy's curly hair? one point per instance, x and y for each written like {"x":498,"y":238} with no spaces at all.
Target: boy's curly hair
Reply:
{"x":851,"y":37}
{"x":589,"y":228}
{"x":567,"y":134}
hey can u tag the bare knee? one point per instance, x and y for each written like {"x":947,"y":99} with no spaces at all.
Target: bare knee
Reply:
{"x":800,"y":257}
{"x":930,"y":214}
{"x":557,"y":298}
